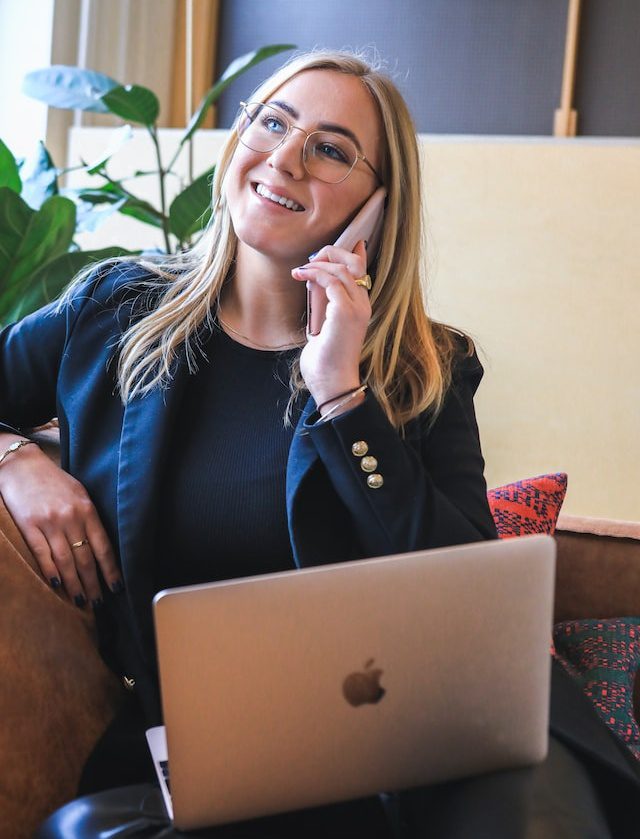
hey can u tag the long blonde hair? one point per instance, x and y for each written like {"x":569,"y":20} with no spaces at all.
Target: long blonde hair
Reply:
{"x":406,"y":358}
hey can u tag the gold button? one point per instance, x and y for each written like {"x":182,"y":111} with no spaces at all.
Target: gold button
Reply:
{"x":375,"y":481}
{"x":359,"y":448}
{"x":368,"y":464}
{"x":129,"y":682}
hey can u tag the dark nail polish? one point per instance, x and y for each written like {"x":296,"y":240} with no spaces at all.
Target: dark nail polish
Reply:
{"x":303,"y":267}
{"x":55,"y":582}
{"x":117,"y":587}
{"x":80,"y":600}
{"x":311,"y":255}
{"x":366,"y":244}
{"x":97,"y":602}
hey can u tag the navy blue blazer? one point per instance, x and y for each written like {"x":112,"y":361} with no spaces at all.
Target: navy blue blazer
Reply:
{"x":62,"y":363}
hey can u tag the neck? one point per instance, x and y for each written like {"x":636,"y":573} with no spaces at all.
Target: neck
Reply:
{"x":263,"y":303}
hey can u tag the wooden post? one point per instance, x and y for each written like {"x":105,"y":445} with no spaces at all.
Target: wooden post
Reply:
{"x":194,"y":56}
{"x":566,"y":118}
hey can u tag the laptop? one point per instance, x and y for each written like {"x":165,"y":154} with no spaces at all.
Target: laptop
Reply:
{"x":307,"y":687}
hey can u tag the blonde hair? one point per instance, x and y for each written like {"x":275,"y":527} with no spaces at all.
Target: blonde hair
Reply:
{"x":406,"y":358}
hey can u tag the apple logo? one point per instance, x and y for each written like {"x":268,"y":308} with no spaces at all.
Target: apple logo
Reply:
{"x":363,"y":687}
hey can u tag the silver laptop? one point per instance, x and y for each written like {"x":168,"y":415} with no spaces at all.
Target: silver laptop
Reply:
{"x":303,"y":688}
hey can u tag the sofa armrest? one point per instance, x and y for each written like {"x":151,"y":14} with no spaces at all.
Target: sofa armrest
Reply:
{"x":56,"y":694}
{"x":598,"y":568}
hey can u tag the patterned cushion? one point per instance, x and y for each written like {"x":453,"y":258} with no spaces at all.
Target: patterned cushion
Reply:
{"x":528,"y":506}
{"x":604,"y":656}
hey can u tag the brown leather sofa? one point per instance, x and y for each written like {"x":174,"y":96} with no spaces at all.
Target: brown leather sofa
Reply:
{"x":56,"y":695}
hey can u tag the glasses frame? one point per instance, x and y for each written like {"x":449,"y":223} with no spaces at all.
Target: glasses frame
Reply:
{"x":245,"y":107}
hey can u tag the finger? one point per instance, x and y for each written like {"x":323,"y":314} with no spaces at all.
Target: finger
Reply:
{"x":103,"y":551}
{"x":39,"y":547}
{"x":64,"y":558}
{"x":356,"y":261}
{"x":86,"y":566}
{"x":326,"y":273}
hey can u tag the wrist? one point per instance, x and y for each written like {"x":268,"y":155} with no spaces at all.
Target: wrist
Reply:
{"x":15,"y":449}
{"x":342,"y":406}
{"x":327,"y":404}
{"x":342,"y":402}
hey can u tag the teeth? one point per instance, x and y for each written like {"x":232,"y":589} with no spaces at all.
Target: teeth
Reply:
{"x":277,"y":199}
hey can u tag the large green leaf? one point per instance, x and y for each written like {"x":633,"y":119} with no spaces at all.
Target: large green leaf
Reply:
{"x":9,"y":174}
{"x":48,"y":235}
{"x":45,"y":285}
{"x":113,"y":192}
{"x":143,"y":212}
{"x":133,"y":103}
{"x":15,"y":217}
{"x":69,"y":87}
{"x":237,"y":67}
{"x":40,"y":178}
{"x":191,"y":209}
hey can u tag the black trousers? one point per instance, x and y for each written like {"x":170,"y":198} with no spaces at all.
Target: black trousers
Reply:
{"x":588,"y":788}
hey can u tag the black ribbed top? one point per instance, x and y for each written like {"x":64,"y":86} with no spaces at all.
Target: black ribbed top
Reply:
{"x":223,"y":511}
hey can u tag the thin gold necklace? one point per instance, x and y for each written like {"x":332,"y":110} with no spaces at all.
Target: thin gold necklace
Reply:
{"x":289,"y":346}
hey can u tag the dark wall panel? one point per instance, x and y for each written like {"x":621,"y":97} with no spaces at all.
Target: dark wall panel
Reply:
{"x":465,"y":66}
{"x":608,"y":73}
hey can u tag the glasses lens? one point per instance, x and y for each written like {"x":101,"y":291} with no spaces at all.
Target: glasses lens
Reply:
{"x":328,"y":156}
{"x":261,"y":128}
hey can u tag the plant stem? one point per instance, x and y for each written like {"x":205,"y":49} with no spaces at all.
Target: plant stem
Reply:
{"x":163,"y":198}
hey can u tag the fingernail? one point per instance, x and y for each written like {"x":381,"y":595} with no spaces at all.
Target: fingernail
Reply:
{"x":117,"y":587}
{"x":366,"y":244}
{"x":55,"y":582}
{"x":311,"y":255}
{"x":97,"y":602}
{"x":80,"y":600}
{"x":302,"y":268}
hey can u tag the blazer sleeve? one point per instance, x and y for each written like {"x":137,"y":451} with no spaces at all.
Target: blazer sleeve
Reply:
{"x":32,"y":351}
{"x":432,"y":493}
{"x":30,"y":355}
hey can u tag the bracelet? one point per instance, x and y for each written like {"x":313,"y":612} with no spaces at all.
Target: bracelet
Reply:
{"x":18,"y":444}
{"x":333,"y":398}
{"x":348,"y":397}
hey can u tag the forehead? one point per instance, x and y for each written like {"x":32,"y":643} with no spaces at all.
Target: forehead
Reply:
{"x":327,"y":96}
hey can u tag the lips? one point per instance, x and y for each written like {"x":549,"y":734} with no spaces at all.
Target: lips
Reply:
{"x":277,"y":198}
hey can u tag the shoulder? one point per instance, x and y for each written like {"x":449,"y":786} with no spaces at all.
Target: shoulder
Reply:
{"x":464,"y":374}
{"x":124,"y":289}
{"x":459,"y":357}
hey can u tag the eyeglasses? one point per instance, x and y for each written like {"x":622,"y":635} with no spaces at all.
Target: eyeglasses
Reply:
{"x":326,"y":155}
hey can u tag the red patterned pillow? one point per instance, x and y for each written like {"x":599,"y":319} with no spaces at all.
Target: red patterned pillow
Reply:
{"x":528,"y":506}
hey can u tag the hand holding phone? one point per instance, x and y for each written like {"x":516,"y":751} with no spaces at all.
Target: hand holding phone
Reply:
{"x":366,"y":225}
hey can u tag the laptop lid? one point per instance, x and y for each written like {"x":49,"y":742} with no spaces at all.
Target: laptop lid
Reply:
{"x":301,"y":688}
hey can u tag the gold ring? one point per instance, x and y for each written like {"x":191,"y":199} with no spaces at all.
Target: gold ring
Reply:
{"x":364,"y":281}
{"x":80,"y":543}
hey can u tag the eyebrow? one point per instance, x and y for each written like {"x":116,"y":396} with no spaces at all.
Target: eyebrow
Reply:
{"x":322,"y":126}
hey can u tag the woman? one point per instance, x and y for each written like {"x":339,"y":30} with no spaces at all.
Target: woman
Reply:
{"x":202,"y":436}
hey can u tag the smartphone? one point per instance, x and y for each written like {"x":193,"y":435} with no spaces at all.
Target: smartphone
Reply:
{"x":366,"y":225}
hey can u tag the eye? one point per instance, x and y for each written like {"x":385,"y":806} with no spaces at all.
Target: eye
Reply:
{"x":272,"y":123}
{"x":330,"y":151}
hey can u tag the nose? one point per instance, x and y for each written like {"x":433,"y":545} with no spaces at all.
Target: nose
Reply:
{"x":288,"y":157}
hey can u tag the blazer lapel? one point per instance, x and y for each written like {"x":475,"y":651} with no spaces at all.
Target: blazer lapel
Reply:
{"x":302,"y":456}
{"x":146,"y":429}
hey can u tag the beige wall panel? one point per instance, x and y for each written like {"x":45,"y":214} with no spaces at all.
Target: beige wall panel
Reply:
{"x":533,"y":249}
{"x":536,"y":252}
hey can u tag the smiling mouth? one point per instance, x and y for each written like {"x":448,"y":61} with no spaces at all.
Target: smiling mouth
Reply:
{"x":288,"y":203}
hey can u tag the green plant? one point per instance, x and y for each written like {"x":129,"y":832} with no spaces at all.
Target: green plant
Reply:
{"x":39,"y":218}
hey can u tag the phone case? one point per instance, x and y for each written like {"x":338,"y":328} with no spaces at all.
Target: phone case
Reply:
{"x":366,"y":225}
